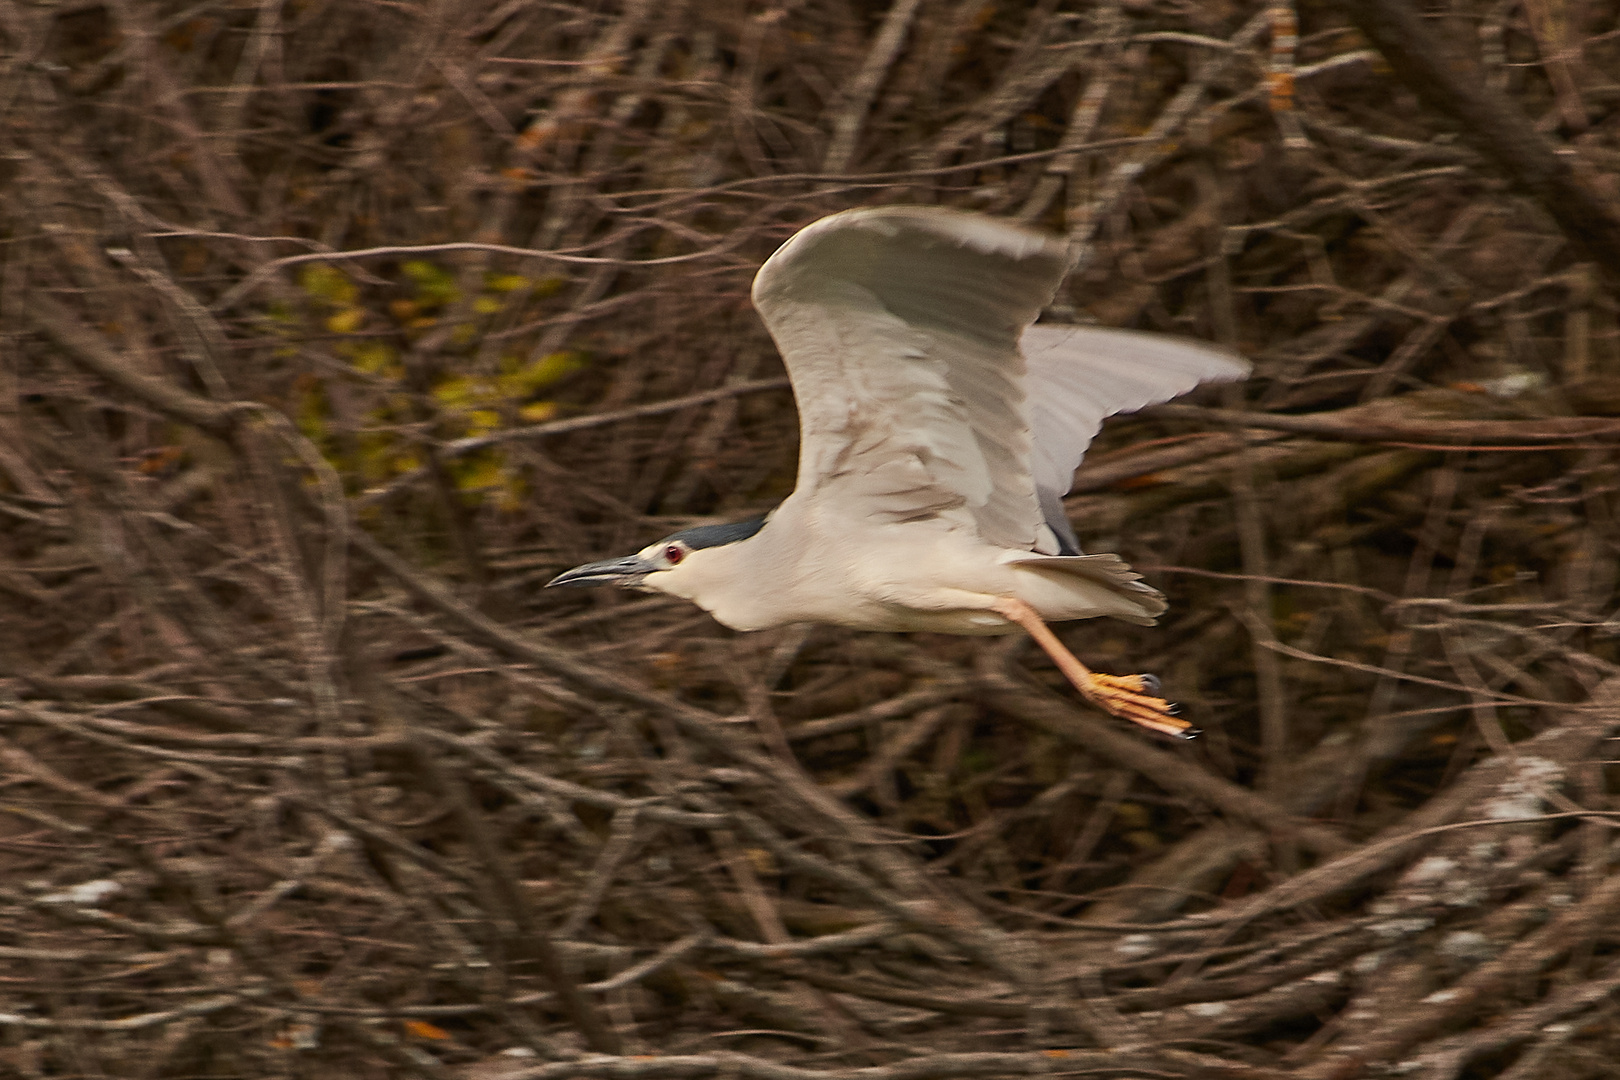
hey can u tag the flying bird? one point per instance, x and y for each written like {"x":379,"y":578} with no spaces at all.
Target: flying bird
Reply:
{"x":939,"y":431}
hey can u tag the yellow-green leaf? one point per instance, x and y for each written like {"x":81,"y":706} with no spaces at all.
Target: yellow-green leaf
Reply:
{"x":549,"y":286}
{"x":346,"y":321}
{"x":458,"y":391}
{"x":373,"y":358}
{"x":482,"y":474}
{"x":328,"y":283}
{"x":541,"y":373}
{"x":434,"y":284}
{"x":504,"y":283}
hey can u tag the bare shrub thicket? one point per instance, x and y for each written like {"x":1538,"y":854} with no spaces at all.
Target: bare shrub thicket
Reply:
{"x":332,"y":330}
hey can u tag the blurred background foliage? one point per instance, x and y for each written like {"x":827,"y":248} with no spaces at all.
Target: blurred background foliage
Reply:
{"x":334,"y":328}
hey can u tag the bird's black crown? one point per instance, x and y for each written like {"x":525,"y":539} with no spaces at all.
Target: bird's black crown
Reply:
{"x":706,"y":536}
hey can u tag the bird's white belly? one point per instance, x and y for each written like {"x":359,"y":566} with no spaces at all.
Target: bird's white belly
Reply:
{"x":947,"y":587}
{"x":966,"y":621}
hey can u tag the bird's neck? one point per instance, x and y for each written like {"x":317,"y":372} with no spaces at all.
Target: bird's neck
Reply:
{"x":740,"y":584}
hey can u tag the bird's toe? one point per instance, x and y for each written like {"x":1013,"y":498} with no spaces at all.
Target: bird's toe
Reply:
{"x":1136,"y":698}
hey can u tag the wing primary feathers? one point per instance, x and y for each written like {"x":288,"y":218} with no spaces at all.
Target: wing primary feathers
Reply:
{"x":906,"y":332}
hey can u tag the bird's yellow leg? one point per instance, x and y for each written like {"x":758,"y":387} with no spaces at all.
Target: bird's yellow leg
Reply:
{"x":1130,"y":697}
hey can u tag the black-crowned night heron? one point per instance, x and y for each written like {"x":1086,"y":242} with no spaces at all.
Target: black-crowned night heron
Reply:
{"x":939,"y":432}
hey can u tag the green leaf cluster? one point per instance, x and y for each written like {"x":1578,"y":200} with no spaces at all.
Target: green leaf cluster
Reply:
{"x":379,"y":440}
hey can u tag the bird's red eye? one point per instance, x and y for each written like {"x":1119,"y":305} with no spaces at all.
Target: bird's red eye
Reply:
{"x":674,"y":554}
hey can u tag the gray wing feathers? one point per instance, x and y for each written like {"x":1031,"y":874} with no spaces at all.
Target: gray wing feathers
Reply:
{"x":899,"y":327}
{"x":1078,"y":375}
{"x":922,"y":387}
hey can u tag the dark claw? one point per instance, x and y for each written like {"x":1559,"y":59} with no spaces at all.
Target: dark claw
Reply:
{"x":1190,"y":733}
{"x":1151,"y":685}
{"x":1173,"y":708}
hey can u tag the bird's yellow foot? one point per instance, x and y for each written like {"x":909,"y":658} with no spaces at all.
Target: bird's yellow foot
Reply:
{"x":1130,"y":697}
{"x":1136,"y":698}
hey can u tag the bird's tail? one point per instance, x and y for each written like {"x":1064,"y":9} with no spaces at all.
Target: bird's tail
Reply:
{"x":1092,"y":585}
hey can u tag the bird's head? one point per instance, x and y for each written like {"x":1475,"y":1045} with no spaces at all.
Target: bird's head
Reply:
{"x":678,"y":564}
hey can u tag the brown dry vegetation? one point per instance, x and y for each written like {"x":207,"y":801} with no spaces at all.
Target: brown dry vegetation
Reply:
{"x":304,"y":776}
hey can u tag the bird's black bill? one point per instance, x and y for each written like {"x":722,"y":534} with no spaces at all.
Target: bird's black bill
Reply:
{"x":626,"y":571}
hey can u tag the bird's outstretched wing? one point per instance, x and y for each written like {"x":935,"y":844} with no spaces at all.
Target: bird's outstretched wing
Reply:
{"x":899,"y":327}
{"x":1078,"y":375}
{"x":906,"y":332}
